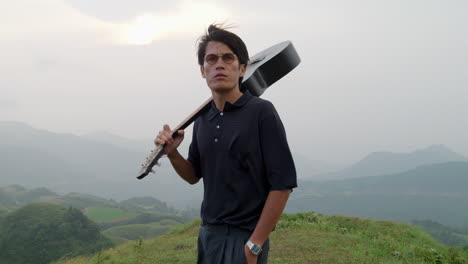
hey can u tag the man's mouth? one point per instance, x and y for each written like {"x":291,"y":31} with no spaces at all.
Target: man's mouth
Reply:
{"x":220,"y":75}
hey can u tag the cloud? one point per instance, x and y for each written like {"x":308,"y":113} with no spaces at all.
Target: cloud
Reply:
{"x":8,"y":102}
{"x":48,"y":20}
{"x":86,"y":22}
{"x":187,"y":20}
{"x":120,"y":10}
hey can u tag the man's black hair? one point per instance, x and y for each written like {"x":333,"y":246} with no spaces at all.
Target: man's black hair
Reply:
{"x":216,"y":32}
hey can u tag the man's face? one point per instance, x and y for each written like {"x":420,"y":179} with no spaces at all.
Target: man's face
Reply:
{"x":221,"y":72}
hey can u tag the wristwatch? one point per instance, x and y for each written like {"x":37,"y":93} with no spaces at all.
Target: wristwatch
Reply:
{"x":255,"y":249}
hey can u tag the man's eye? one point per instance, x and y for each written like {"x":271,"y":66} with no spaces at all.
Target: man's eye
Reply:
{"x":228,"y":58}
{"x":211,"y":59}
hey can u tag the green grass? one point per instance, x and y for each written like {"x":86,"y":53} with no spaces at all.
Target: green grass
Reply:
{"x":107,"y":214}
{"x":301,"y":238}
{"x":462,"y":236}
{"x":123,"y":233}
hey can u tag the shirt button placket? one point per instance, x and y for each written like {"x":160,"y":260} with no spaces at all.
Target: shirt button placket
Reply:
{"x":218,"y":128}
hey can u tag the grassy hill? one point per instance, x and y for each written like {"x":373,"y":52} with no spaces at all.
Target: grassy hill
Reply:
{"x":302,"y":238}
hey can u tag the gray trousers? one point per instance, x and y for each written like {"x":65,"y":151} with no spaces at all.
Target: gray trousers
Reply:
{"x":224,"y":244}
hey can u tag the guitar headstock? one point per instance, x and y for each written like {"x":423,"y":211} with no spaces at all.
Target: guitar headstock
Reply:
{"x":150,"y":161}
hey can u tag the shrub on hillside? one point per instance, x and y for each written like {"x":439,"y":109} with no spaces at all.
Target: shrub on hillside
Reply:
{"x":40,"y":233}
{"x":144,"y":218}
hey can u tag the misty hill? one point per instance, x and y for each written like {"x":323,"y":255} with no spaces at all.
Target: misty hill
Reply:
{"x":444,"y":234}
{"x":302,"y":238}
{"x":68,"y":163}
{"x":383,"y":163}
{"x":58,"y":155}
{"x":309,"y":169}
{"x":129,"y":144}
{"x":438,"y":192}
{"x":40,"y":233}
{"x":15,"y":196}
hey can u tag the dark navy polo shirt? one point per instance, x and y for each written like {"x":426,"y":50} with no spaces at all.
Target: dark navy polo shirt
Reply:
{"x":242,"y":154}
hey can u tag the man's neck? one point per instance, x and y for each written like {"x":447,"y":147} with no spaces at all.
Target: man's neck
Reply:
{"x":220,"y":98}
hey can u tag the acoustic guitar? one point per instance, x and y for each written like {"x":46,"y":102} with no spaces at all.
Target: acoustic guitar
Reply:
{"x":264,"y":69}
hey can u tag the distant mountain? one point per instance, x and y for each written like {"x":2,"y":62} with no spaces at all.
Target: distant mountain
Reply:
{"x":58,"y":156}
{"x":308,"y":169}
{"x":137,"y":145}
{"x":447,"y":235}
{"x":438,"y":192}
{"x":381,"y":163}
{"x":15,"y":196}
{"x":68,"y":163}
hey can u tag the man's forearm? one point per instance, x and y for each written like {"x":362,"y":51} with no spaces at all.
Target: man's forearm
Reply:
{"x":274,"y":206}
{"x":183,"y":167}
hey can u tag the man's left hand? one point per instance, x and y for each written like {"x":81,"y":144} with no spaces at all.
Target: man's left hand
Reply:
{"x":251,"y":258}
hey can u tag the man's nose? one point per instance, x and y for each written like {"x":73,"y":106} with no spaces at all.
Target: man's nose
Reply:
{"x":220,"y":62}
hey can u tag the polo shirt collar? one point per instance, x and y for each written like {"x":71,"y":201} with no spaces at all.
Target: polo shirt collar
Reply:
{"x":228,"y":106}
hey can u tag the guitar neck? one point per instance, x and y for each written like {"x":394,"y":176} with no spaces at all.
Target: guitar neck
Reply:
{"x":200,"y":110}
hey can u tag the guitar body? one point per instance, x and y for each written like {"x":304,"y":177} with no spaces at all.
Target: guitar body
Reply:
{"x":264,"y":69}
{"x":268,"y":66}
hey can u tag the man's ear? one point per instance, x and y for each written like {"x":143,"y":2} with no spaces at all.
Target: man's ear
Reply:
{"x":202,"y":70}
{"x":242,"y":70}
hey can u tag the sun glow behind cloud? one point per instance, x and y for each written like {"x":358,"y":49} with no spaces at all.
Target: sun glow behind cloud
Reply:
{"x":144,"y":29}
{"x":54,"y":19}
{"x":191,"y":18}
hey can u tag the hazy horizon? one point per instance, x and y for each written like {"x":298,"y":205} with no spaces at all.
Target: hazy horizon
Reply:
{"x":375,"y":76}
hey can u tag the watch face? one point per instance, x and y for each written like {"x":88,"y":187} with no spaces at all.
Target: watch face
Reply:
{"x":256,"y":249}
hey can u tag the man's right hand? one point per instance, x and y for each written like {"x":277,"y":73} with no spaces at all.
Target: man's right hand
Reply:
{"x":165,"y":137}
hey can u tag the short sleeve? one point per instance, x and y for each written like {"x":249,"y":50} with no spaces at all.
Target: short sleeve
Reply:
{"x":194,"y":154}
{"x":277,"y":158}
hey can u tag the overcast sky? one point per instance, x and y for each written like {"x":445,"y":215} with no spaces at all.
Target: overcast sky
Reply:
{"x":375,"y":75}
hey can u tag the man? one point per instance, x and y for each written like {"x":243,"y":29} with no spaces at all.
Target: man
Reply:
{"x":240,"y":150}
